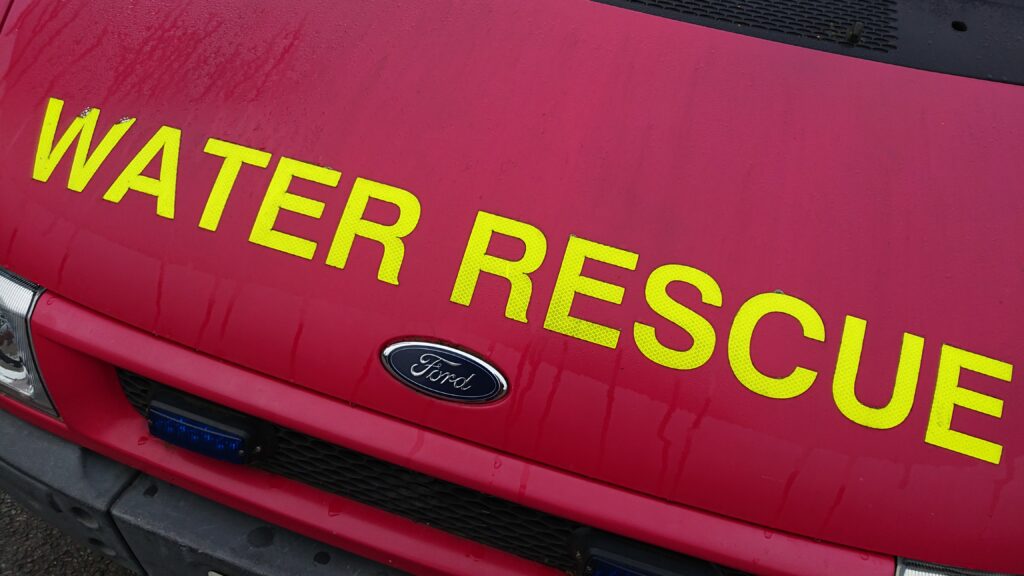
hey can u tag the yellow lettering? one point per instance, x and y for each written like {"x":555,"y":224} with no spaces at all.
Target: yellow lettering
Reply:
{"x":234,"y":156}
{"x":747,"y":318}
{"x":390,"y":236}
{"x":165,"y":142}
{"x":697,"y":326}
{"x":844,"y":381}
{"x":477,"y":260}
{"x":83,"y":165}
{"x":279,"y":198}
{"x":571,"y":282}
{"x":948,"y":395}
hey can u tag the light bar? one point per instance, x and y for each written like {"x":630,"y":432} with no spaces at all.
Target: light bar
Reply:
{"x":905,"y":567}
{"x":191,"y":433}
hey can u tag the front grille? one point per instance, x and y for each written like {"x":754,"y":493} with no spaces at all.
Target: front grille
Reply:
{"x":473,"y":515}
{"x":498,"y":523}
{"x":507,"y":526}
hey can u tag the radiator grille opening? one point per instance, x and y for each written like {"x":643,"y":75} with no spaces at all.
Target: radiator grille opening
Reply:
{"x":513,"y":528}
{"x":498,"y":523}
{"x":519,"y":530}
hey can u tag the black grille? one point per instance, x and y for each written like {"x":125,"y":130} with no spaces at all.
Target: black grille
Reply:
{"x":868,"y":24}
{"x":467,"y":513}
{"x":498,"y":523}
{"x":522,"y":531}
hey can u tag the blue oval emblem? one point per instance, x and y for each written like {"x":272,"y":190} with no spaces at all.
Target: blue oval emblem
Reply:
{"x":444,"y":372}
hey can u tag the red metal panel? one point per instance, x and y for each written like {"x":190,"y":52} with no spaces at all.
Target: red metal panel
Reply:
{"x":865,"y":189}
{"x":78,"y":348}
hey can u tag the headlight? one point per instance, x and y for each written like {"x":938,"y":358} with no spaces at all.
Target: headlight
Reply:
{"x":19,"y":375}
{"x":906,"y":567}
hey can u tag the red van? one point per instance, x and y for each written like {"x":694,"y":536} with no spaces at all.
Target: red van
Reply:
{"x":631,"y":287}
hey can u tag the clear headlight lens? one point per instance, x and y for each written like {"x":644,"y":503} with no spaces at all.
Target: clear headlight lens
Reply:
{"x":19,"y":375}
{"x":906,"y":567}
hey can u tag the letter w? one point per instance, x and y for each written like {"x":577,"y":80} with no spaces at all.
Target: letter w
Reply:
{"x":84,"y":165}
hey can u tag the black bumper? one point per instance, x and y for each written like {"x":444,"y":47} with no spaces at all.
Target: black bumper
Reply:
{"x":150,"y":526}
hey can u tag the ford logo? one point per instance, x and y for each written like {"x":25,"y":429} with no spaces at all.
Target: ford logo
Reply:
{"x":444,"y":372}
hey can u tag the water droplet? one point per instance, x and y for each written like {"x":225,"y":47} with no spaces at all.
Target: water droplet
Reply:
{"x":335,"y":508}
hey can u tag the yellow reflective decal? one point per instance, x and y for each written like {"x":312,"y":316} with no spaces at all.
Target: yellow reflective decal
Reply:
{"x":279,"y":198}
{"x":747,"y":318}
{"x":949,"y":395}
{"x":84,"y":164}
{"x":571,"y":282}
{"x":234,"y":156}
{"x":389,"y":236}
{"x":845,"y":380}
{"x":702,"y":332}
{"x":566,"y":279}
{"x":166,"y":142}
{"x":476,"y":260}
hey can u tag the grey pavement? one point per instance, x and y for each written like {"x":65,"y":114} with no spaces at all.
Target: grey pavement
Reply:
{"x":29,"y":547}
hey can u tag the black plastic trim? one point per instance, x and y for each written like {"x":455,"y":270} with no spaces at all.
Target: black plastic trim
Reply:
{"x":66,"y":485}
{"x":977,"y":38}
{"x":149,"y":526}
{"x":212,"y":539}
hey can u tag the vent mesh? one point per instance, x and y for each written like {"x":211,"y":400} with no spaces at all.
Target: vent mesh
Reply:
{"x":868,"y":24}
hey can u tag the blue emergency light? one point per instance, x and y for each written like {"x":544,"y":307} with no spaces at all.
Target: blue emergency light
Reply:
{"x":197,"y":433}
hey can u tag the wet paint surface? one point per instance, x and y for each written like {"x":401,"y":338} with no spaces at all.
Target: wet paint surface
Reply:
{"x":860,"y":188}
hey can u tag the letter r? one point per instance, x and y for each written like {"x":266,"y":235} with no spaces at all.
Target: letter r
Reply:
{"x":477,"y":260}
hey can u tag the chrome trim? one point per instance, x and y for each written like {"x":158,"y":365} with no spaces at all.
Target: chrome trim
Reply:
{"x":467,"y":356}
